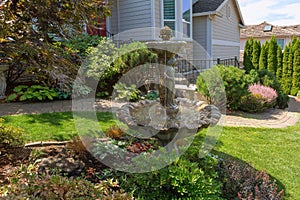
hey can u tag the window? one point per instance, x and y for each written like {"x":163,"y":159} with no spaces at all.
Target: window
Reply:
{"x":280,"y":43}
{"x":268,"y":28}
{"x":186,"y":17}
{"x":177,"y":16}
{"x":170,"y":14}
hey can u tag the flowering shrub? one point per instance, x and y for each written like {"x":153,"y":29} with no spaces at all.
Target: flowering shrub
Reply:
{"x":267,"y":93}
{"x":260,"y":98}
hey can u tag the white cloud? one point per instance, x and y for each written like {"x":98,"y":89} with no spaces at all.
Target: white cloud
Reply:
{"x":275,"y":12}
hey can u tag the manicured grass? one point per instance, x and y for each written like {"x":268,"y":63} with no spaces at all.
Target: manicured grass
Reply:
{"x":273,"y":150}
{"x":52,"y":126}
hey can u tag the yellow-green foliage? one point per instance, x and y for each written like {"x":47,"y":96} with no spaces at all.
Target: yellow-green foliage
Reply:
{"x":9,"y":135}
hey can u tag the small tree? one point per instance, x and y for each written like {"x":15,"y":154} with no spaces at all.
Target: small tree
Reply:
{"x":256,"y":54}
{"x":263,"y":59}
{"x":248,"y":51}
{"x":285,"y":63}
{"x":279,"y":63}
{"x":296,"y":70}
{"x":272,"y":55}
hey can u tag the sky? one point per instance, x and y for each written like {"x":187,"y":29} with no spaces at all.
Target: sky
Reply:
{"x":276,"y":12}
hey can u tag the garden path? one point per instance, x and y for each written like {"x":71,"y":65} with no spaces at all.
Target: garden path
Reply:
{"x":272,"y":118}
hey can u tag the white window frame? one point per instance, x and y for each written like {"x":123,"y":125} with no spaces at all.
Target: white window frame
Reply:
{"x":169,"y":20}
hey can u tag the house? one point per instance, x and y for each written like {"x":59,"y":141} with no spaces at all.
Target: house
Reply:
{"x":264,"y":31}
{"x":214,"y":24}
{"x":216,"y":27}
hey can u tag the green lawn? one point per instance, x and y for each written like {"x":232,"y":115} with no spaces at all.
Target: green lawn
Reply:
{"x":273,"y":150}
{"x":52,"y":126}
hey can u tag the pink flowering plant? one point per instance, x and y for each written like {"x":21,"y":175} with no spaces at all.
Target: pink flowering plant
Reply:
{"x":260,"y":98}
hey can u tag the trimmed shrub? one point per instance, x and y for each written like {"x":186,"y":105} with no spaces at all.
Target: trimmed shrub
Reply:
{"x":259,"y":99}
{"x":256,"y":54}
{"x":234,"y":82}
{"x":279,"y":63}
{"x":10,"y":136}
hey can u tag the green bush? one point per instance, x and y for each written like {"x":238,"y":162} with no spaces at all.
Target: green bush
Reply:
{"x":32,"y":93}
{"x":183,"y":179}
{"x":128,"y":93}
{"x":234,"y":82}
{"x":10,"y":136}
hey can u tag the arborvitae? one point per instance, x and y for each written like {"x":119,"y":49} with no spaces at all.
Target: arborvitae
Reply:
{"x":256,"y":54}
{"x":279,"y":63}
{"x":285,"y":63}
{"x":296,"y":69}
{"x":263,"y":58}
{"x":248,"y":49}
{"x":272,"y":56}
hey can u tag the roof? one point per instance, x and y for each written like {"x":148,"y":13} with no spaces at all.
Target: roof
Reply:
{"x":211,"y":7}
{"x":257,"y":31}
{"x":206,"y":5}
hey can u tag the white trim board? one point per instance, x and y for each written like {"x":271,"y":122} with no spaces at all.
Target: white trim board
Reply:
{"x":225,"y":43}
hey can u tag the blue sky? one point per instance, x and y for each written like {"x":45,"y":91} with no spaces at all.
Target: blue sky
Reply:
{"x":276,"y":12}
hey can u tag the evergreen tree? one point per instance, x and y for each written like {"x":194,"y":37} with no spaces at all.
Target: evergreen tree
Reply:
{"x":272,"y":56}
{"x":263,"y":58}
{"x":296,"y":69}
{"x":285,"y":63}
{"x":256,"y":54}
{"x":248,"y":50}
{"x":279,"y":63}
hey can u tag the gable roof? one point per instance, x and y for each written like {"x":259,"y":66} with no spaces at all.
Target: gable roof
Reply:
{"x":257,"y":31}
{"x":212,"y":7}
{"x":206,"y":5}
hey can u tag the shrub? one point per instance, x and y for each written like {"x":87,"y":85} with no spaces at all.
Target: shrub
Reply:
{"x":234,"y":83}
{"x":128,"y":93}
{"x":32,"y":93}
{"x":282,"y":100}
{"x":27,"y":184}
{"x":183,"y":179}
{"x":10,"y":136}
{"x":245,"y":183}
{"x":259,"y":99}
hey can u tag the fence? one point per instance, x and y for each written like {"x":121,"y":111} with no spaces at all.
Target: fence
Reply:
{"x":191,"y":69}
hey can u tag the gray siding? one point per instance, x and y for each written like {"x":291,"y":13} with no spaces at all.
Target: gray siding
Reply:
{"x":225,"y":28}
{"x":133,"y":14}
{"x":200,"y":27}
{"x":226,"y":32}
{"x":113,"y":17}
{"x":158,"y":17}
{"x":225,"y":52}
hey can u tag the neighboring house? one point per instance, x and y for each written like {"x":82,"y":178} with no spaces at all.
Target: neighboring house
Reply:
{"x":264,"y":31}
{"x":214,"y":24}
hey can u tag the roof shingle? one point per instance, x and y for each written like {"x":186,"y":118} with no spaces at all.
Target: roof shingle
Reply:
{"x":206,"y":5}
{"x":257,"y":31}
